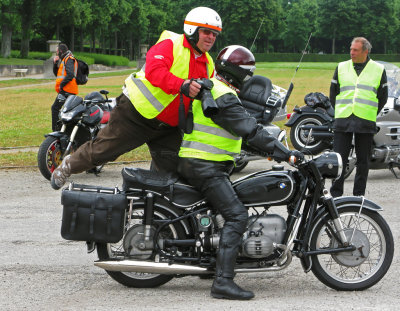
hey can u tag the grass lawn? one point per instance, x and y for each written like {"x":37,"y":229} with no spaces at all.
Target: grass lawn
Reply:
{"x":25,"y":115}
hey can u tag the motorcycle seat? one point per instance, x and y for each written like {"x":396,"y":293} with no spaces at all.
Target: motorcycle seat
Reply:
{"x":170,"y":185}
{"x":254,"y":96}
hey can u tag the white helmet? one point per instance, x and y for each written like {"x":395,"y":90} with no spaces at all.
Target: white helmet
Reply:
{"x":201,"y":17}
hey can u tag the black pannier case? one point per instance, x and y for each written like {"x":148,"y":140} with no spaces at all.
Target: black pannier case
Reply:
{"x":93,"y":214}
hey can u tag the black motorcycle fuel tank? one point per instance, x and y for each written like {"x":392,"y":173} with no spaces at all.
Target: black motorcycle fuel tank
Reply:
{"x":93,"y":116}
{"x":273,"y":187}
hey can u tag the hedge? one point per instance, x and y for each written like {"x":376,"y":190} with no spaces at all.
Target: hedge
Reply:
{"x":326,"y":58}
{"x":89,"y":58}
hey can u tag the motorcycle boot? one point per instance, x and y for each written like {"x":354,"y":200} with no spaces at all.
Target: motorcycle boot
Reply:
{"x":223,"y":286}
{"x":61,"y":174}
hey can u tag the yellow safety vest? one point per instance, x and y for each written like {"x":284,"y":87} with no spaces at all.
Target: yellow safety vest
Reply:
{"x":358,"y":94}
{"x":150,"y":100}
{"x":209,"y":141}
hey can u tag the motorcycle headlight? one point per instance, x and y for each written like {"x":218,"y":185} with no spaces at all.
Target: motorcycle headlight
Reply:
{"x":330,"y":165}
{"x":67,"y":116}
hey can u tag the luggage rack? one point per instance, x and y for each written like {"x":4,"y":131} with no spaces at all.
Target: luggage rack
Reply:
{"x":89,"y":188}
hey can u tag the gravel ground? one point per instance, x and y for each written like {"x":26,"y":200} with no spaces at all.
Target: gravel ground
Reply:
{"x":41,"y":271}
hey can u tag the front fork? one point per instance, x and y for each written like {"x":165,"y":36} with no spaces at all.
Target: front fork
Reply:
{"x":333,"y":212}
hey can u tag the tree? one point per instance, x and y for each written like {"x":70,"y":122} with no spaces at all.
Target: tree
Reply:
{"x":9,"y":20}
{"x":337,"y":19}
{"x":379,"y":22}
{"x":27,"y":11}
{"x":300,"y":22}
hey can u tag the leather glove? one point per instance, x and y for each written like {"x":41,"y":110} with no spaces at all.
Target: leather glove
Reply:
{"x":295,"y":157}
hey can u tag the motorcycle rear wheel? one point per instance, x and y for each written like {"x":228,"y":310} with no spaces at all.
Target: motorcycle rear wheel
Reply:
{"x":361,"y":268}
{"x":299,"y":138}
{"x":116,"y":251}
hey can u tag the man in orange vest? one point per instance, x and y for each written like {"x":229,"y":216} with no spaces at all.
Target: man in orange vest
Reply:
{"x":64,"y":68}
{"x":148,"y":110}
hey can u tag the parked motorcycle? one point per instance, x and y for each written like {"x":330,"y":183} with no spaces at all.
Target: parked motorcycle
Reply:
{"x":267,"y":103}
{"x":81,"y":120}
{"x":312,"y":127}
{"x":157,"y":227}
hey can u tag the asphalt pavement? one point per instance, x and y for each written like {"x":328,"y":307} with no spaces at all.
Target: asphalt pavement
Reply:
{"x":41,"y":271}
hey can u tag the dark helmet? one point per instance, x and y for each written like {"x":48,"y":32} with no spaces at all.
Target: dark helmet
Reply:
{"x":236,"y":64}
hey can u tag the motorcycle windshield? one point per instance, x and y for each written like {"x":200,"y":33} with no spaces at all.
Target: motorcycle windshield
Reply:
{"x":71,"y":102}
{"x":393,"y":78}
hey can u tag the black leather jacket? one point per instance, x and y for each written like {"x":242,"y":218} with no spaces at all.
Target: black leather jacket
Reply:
{"x":235,"y":119}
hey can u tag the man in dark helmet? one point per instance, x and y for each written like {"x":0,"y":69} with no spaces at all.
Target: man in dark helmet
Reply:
{"x":147,"y":111}
{"x":64,"y":68}
{"x":207,"y":158}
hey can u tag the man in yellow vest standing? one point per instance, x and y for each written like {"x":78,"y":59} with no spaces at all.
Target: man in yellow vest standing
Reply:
{"x":358,"y":93}
{"x":147,"y":111}
{"x":207,"y":158}
{"x":65,"y":67}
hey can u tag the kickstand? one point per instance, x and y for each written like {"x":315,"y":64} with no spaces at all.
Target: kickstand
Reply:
{"x":391,"y":168}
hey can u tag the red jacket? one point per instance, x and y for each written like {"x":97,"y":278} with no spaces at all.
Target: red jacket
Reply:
{"x":159,"y":60}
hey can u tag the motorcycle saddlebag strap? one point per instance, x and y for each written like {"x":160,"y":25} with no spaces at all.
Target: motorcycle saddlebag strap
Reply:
{"x":93,"y":216}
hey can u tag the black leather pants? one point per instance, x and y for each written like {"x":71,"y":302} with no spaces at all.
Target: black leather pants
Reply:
{"x":220,"y":193}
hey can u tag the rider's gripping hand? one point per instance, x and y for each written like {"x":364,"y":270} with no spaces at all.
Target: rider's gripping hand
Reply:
{"x":295,"y":157}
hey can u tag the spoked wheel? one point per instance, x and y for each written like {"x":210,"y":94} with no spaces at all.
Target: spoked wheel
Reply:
{"x":299,"y":137}
{"x":49,"y":156}
{"x":358,"y":269}
{"x":127,"y":249}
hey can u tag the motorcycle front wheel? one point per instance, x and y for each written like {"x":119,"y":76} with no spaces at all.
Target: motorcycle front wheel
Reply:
{"x":358,"y":269}
{"x":298,"y":136}
{"x":125,"y":249}
{"x":49,"y":156}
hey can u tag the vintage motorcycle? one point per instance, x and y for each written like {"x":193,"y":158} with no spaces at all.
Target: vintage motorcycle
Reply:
{"x":157,"y":227}
{"x":81,"y":121}
{"x":267,"y":103}
{"x":312,"y":127}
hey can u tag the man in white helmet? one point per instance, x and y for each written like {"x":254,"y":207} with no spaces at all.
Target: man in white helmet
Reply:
{"x":147,"y":111}
{"x":207,"y":158}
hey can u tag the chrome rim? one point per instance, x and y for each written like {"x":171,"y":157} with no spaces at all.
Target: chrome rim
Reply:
{"x":301,"y":137}
{"x":370,"y":249}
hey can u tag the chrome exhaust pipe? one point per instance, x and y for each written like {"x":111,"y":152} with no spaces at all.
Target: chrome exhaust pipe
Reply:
{"x":150,"y":267}
{"x":165,"y":268}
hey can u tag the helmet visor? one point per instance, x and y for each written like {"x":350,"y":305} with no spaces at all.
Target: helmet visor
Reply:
{"x":250,"y":71}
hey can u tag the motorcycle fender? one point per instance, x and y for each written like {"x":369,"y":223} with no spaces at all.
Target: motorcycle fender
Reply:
{"x":340,"y":202}
{"x":306,"y":111}
{"x":57,"y":134}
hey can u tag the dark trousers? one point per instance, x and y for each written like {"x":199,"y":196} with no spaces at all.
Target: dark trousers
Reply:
{"x":362,"y":144}
{"x":126,"y":130}
{"x":55,"y":109}
{"x":220,"y":194}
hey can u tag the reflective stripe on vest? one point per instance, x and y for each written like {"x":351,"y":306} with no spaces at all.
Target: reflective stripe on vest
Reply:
{"x":209,"y":141}
{"x":358,"y":94}
{"x":72,"y":86}
{"x":150,"y":100}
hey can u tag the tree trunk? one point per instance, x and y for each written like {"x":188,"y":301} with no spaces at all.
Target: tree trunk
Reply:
{"x":115,"y":43}
{"x":24,"y":41}
{"x":6,"y":31}
{"x":81,"y":41}
{"x":333,"y":41}
{"x":72,"y":44}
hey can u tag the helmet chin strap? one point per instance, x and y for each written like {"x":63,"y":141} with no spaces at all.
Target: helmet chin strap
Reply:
{"x":193,"y":41}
